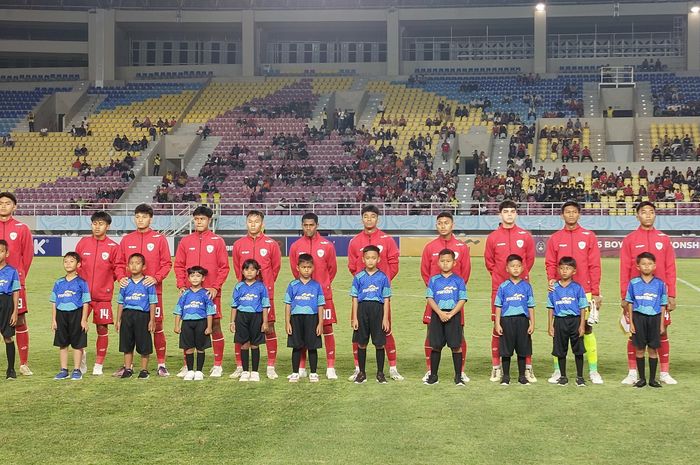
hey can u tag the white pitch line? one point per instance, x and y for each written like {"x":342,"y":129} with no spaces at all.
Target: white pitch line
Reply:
{"x":692,"y":286}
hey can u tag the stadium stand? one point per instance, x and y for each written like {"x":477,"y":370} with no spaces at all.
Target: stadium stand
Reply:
{"x":16,"y":104}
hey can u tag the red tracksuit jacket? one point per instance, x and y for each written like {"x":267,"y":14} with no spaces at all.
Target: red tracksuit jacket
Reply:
{"x":207,"y":250}
{"x":503,"y":242}
{"x":388,"y":252}
{"x":21,"y":246}
{"x":653,"y":241}
{"x":325,"y":263}
{"x":266,"y":252}
{"x":154,"y":247}
{"x":101,"y":264}
{"x":429,"y":260}
{"x":582,"y":245}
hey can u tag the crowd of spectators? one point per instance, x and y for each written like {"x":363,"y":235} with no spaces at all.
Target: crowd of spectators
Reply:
{"x":124,"y":144}
{"x":675,"y":149}
{"x":565,"y":141}
{"x":123,"y":167}
{"x":172,"y":184}
{"x":670,"y":101}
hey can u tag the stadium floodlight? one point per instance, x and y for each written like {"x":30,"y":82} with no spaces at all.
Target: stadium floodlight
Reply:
{"x":695,"y":9}
{"x":540,"y":6}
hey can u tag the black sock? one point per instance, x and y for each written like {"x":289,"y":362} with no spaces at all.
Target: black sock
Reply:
{"x":652,"y":368}
{"x":313,"y":360}
{"x":521,"y":366}
{"x":505,"y":365}
{"x":381,"y":354}
{"x":245,"y":359}
{"x":579,"y":365}
{"x":641,"y":368}
{"x":10,"y":351}
{"x":189,"y":359}
{"x":361,"y":359}
{"x":255,"y":358}
{"x":296,"y":360}
{"x":457,"y":362}
{"x":435,"y":362}
{"x":562,"y":366}
{"x":200,"y":360}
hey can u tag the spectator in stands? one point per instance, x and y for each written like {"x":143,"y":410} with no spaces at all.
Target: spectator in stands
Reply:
{"x":136,"y":123}
{"x":30,"y":121}
{"x":146,"y":123}
{"x":152,"y":132}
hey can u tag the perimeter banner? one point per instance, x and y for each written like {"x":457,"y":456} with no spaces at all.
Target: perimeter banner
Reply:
{"x":685,"y":247}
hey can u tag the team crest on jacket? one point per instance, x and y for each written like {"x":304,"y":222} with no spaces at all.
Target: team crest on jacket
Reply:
{"x":105,"y":255}
{"x":210,"y":248}
{"x":320,"y":253}
{"x":581,"y":245}
{"x":659,"y":246}
{"x":263,"y":252}
{"x":150,"y":246}
{"x":519,"y":243}
{"x":13,"y":235}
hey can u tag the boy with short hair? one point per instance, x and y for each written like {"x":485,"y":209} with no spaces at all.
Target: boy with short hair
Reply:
{"x":101,"y":264}
{"x":70,"y":302}
{"x":566,"y":321}
{"x":647,"y":300}
{"x":303,"y":311}
{"x":196,"y":311}
{"x":515,"y":319}
{"x":9,"y":295}
{"x":446,"y":296}
{"x":136,"y":317}
{"x":371,"y":294}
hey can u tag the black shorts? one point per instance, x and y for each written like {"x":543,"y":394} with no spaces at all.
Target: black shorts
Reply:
{"x":249,"y":328}
{"x":369,"y":316}
{"x":515,"y":336}
{"x":7,"y":306}
{"x":192,"y":335}
{"x":440,"y":334}
{"x":648,"y":330}
{"x":565,"y":332}
{"x":304,"y":332}
{"x":133,"y":332}
{"x":68,"y":330}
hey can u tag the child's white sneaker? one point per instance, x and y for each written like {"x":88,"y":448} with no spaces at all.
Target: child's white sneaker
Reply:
{"x":236,"y":373}
{"x":331,"y":374}
{"x":354,"y":374}
{"x":245,"y":377}
{"x":271,"y":373}
{"x":216,"y":371}
{"x":189,"y":376}
{"x":254,"y":377}
{"x":554,"y":379}
{"x":665,"y":378}
{"x":395,"y":375}
{"x":97,"y":370}
{"x":465,"y":378}
{"x":496,"y":374}
{"x":302,"y":373}
{"x":530,"y":375}
{"x":293,"y":378}
{"x":595,"y":377}
{"x":426,"y":376}
{"x":198,"y":376}
{"x":313,"y":378}
{"x":631,"y":378}
{"x":182,"y":372}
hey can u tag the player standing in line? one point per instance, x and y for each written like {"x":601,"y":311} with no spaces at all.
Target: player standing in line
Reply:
{"x":388,"y":264}
{"x":205,"y":249}
{"x":21,"y":254}
{"x":324,"y":271}
{"x":154,"y":247}
{"x":581,"y":245}
{"x":648,"y":239}
{"x":430,"y":266}
{"x":265,"y":250}
{"x":508,"y":239}
{"x":101,"y":264}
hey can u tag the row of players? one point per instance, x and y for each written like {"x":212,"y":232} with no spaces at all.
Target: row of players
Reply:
{"x":103,"y":263}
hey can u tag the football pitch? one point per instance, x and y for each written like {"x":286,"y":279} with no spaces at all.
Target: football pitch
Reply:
{"x":166,"y":420}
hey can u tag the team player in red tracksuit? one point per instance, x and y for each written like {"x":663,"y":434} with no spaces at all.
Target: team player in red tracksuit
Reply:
{"x":388,"y":263}
{"x":429,"y":267}
{"x":648,"y":239}
{"x":266,"y":251}
{"x":101,"y":264}
{"x":154,"y":247}
{"x":206,"y":249}
{"x":325,"y":269}
{"x":582,"y":245}
{"x":507,"y":239}
{"x":20,"y":256}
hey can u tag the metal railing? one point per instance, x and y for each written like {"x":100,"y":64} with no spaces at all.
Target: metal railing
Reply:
{"x":181,"y":210}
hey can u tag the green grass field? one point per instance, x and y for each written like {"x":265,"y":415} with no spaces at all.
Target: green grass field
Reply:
{"x":165,"y":420}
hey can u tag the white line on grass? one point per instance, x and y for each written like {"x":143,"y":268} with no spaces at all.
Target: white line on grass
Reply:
{"x":692,"y":286}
